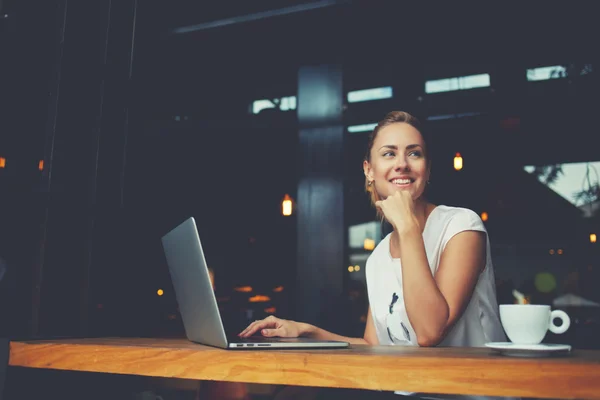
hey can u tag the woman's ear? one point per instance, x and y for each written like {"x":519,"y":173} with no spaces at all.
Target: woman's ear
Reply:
{"x":367,"y":170}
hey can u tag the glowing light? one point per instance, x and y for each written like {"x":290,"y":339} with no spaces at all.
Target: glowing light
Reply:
{"x":243,"y":289}
{"x":211,"y":275}
{"x":259,"y":298}
{"x":41,"y":165}
{"x":357,"y":268}
{"x":369,"y":244}
{"x":286,"y":205}
{"x":458,"y":162}
{"x":351,"y":269}
{"x":545,"y":282}
{"x":551,"y":251}
{"x":2,"y":162}
{"x":160,"y":292}
{"x":278,"y":289}
{"x":484,"y":216}
{"x":592,"y":238}
{"x":271,"y":310}
{"x":560,"y":251}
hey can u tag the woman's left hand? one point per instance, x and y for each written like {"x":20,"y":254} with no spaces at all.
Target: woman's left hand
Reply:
{"x":399,"y":210}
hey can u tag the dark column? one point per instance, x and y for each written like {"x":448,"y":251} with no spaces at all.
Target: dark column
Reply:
{"x":320,"y":194}
{"x":84,"y":158}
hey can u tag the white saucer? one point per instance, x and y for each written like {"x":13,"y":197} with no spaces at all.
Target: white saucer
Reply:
{"x":529,"y":350}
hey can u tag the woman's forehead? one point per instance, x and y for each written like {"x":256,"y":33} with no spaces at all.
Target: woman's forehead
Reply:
{"x":398,"y":134}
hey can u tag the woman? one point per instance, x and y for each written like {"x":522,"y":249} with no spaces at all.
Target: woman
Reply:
{"x":430,"y":281}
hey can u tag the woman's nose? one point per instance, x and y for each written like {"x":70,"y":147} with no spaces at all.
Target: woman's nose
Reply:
{"x":401,"y":163}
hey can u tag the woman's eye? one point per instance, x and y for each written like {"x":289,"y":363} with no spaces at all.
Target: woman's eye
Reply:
{"x":388,"y":154}
{"x":415,"y":153}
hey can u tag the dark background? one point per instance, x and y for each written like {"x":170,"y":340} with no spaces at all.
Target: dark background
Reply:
{"x":140,"y":126}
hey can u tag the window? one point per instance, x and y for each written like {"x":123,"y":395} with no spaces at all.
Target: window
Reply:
{"x":359,"y":234}
{"x":578,"y":183}
{"x":361,"y":128}
{"x":287,"y":103}
{"x":284,"y":104}
{"x":457,"y":83}
{"x":452,"y":116}
{"x":370,"y":94}
{"x":545,"y":73}
{"x":557,"y":72}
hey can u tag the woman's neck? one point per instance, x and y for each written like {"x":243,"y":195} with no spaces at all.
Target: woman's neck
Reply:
{"x":422,"y":210}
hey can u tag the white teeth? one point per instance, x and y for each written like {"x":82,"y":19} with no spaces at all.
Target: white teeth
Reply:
{"x":401,"y":181}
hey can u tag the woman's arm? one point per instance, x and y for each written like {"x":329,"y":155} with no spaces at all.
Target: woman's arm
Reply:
{"x":369,"y":337}
{"x":434,"y":304}
{"x":277,"y":327}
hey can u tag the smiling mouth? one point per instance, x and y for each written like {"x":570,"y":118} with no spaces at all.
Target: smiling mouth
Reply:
{"x":402,"y":182}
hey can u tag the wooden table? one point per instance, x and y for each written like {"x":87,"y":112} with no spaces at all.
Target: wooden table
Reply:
{"x":476,"y":371}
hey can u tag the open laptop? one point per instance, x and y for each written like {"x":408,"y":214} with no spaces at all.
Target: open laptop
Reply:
{"x":196,"y":298}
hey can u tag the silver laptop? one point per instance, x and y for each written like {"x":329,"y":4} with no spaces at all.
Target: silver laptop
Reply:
{"x":196,"y":298}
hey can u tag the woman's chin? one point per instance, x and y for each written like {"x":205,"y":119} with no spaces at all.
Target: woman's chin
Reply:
{"x":406,"y":188}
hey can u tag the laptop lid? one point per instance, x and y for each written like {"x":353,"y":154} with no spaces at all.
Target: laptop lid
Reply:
{"x":196,"y":298}
{"x":191,"y":282}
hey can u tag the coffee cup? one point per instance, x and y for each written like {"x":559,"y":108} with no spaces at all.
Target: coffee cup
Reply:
{"x":529,"y":323}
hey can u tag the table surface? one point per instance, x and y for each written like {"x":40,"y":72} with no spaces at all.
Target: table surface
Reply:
{"x":467,"y":371}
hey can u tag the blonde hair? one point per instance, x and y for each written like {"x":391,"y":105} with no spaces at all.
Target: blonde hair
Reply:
{"x":392,"y":117}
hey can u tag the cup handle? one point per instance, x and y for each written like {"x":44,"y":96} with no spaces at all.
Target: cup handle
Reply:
{"x":566,"y":321}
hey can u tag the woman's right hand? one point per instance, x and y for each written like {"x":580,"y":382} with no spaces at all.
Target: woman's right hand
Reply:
{"x":273,"y":326}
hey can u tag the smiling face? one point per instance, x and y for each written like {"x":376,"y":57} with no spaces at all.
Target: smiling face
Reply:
{"x":397,"y":161}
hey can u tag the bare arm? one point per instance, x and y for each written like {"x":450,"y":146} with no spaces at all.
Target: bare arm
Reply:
{"x":321,"y":334}
{"x":369,"y":337}
{"x":434,"y":304}
{"x":273,"y":326}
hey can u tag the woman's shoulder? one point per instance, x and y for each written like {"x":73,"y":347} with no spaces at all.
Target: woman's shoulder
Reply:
{"x":446,"y":214}
{"x":449,"y":221}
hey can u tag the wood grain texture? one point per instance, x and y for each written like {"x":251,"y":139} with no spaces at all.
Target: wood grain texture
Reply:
{"x":474,"y":371}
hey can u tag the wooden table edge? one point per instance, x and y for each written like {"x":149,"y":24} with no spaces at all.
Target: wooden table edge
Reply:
{"x":423,"y":370}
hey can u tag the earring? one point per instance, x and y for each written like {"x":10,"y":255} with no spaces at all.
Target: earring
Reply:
{"x":369,"y":183}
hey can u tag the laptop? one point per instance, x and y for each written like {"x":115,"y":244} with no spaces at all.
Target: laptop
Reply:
{"x":197,"y":303}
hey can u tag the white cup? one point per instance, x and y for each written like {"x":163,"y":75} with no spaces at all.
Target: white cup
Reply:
{"x":528,"y":323}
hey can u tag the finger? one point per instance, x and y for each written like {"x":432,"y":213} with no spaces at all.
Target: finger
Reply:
{"x":273,"y":332}
{"x":258,"y":326}
{"x":249,"y":327}
{"x":252,"y":327}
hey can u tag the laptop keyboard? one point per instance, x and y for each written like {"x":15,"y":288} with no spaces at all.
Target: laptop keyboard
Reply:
{"x":261,"y":339}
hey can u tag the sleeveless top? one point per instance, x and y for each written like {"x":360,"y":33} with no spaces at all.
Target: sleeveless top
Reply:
{"x":480,"y":321}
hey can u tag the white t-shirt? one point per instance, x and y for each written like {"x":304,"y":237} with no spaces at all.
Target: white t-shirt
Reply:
{"x":479,"y":323}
